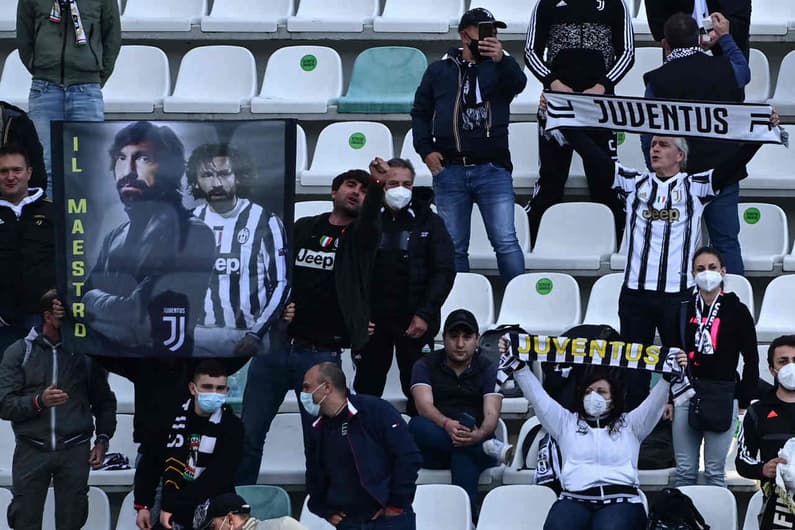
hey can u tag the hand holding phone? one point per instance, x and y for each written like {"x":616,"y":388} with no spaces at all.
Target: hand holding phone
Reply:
{"x":486,"y":30}
{"x":467,"y":420}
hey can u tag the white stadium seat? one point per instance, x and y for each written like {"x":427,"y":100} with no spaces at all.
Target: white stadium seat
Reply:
{"x":764,"y":237}
{"x":752,"y":511}
{"x":778,"y":312}
{"x":771,"y":17}
{"x":523,"y":144}
{"x":772,"y":168}
{"x":139,"y":82}
{"x":127,"y":514}
{"x":784,"y":97}
{"x":125,"y":393}
{"x":789,"y":260}
{"x":283,"y":461}
{"x":344,"y":145}
{"x":419,"y":16}
{"x":311,"y":208}
{"x":640,"y":23}
{"x":630,"y":151}
{"x":15,"y":81}
{"x":646,"y":59}
{"x":8,"y":15}
{"x":716,"y":504}
{"x":764,"y":368}
{"x":121,"y":442}
{"x":422,"y":175}
{"x":247,"y":15}
{"x":515,"y":14}
{"x":5,"y":500}
{"x":98,"y":511}
{"x":300,"y":152}
{"x":603,"y":301}
{"x":442,"y":507}
{"x":312,"y":521}
{"x":574,"y":235}
{"x":300,"y":79}
{"x":739,"y":285}
{"x":233,"y":81}
{"x":505,"y":505}
{"x":7,"y":444}
{"x":520,"y":471}
{"x":162,"y":15}
{"x":526,"y":102}
{"x":336,"y":16}
{"x":481,"y":253}
{"x":542,"y":303}
{"x":758,"y":90}
{"x":472,"y":292}
{"x":618,"y":261}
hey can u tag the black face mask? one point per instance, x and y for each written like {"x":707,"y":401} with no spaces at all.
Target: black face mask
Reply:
{"x":475,"y":50}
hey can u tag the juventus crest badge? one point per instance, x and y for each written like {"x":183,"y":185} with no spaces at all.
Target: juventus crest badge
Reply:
{"x":600,"y":5}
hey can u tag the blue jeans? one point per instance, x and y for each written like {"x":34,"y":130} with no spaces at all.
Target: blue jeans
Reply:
{"x":465,"y":463}
{"x":687,"y":445}
{"x":270,"y":376}
{"x":723,"y":225}
{"x":490,"y":187}
{"x":567,"y":514}
{"x":49,"y":102}
{"x":405,"y":521}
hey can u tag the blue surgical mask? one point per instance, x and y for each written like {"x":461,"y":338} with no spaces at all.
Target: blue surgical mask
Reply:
{"x":312,"y":408}
{"x":209,"y":402}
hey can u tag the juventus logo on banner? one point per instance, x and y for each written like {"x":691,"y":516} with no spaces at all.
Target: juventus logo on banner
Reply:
{"x":176,"y":323}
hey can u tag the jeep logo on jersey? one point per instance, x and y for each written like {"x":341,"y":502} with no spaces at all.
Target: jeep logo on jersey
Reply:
{"x":669,"y":214}
{"x":315,"y":259}
{"x":227,"y":265}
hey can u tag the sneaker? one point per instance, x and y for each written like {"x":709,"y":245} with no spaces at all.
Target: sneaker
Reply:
{"x":501,"y":451}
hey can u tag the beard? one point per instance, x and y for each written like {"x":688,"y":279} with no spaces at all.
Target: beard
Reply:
{"x":131,"y":190}
{"x":218,"y":194}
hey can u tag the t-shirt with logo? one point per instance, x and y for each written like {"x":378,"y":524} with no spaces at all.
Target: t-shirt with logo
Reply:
{"x":318,"y":317}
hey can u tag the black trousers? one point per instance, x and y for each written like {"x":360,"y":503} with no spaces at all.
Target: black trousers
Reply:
{"x":555,"y":160}
{"x":374,"y":360}
{"x":641,"y":313}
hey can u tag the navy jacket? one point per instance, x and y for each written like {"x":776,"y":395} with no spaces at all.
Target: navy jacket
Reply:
{"x":385,"y":453}
{"x":436,"y":113}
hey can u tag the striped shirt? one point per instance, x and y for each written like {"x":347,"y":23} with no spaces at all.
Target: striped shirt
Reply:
{"x":248,"y":287}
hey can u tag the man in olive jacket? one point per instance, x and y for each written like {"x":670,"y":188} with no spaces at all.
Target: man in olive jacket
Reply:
{"x":69,"y":47}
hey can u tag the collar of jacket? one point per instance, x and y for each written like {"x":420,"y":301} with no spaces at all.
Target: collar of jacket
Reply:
{"x":34,"y":194}
{"x":35,"y":337}
{"x":352,"y":411}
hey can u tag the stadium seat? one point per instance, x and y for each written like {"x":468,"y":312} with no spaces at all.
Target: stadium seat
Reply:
{"x":98,"y":511}
{"x":472,"y":292}
{"x":283,"y":460}
{"x":300,"y":152}
{"x":603,"y":301}
{"x":8,"y":15}
{"x":646,"y":59}
{"x":789,"y":260}
{"x":542,"y":303}
{"x":247,"y":15}
{"x":312,"y":521}
{"x":778,"y":312}
{"x":121,"y":442}
{"x":300,"y":79}
{"x":15,"y":81}
{"x":214,"y":79}
{"x":7,"y":444}
{"x":481,"y":253}
{"x":784,"y":97}
{"x":506,"y":505}
{"x":771,"y":17}
{"x":337,"y":16}
{"x":384,"y":79}
{"x":739,"y":285}
{"x":574,"y":235}
{"x":772,"y":168}
{"x":764,"y":368}
{"x":523,"y":145}
{"x":157,"y":15}
{"x":752,"y":511}
{"x":630,"y":151}
{"x":267,"y":502}
{"x":442,"y":507}
{"x":125,"y":393}
{"x":526,"y":102}
{"x":618,"y":261}
{"x":764,"y":236}
{"x":640,"y":23}
{"x":419,"y":16}
{"x":345,"y":145}
{"x":716,"y":504}
{"x":139,"y":82}
{"x":423,"y":175}
{"x":520,"y":471}
{"x":733,"y":479}
{"x":127,"y":514}
{"x":514,"y":13}
{"x":5,"y":500}
{"x":758,"y":90}
{"x":311,"y":208}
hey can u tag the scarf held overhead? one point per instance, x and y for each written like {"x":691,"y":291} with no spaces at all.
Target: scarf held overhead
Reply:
{"x":738,"y":121}
{"x":598,"y":352}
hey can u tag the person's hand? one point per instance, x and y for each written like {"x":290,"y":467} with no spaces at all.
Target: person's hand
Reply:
{"x":165,"y":519}
{"x":336,"y":518}
{"x":370,"y":328}
{"x":491,"y":47}
{"x":720,"y":25}
{"x":97,"y":455}
{"x":451,"y":426}
{"x":417,"y":328}
{"x":502,"y":345}
{"x":289,"y":312}
{"x":598,"y":89}
{"x":681,"y":359}
{"x":57,"y":309}
{"x":249,"y":346}
{"x":668,"y":412}
{"x":775,"y":121}
{"x":144,"y":519}
{"x":542,"y":103}
{"x":378,"y":168}
{"x":560,"y":86}
{"x":52,"y":397}
{"x":769,"y":469}
{"x":434,"y":162}
{"x":468,"y":437}
{"x":462,"y":436}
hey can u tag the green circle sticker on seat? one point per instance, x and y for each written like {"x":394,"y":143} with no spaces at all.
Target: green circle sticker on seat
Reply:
{"x":357,"y":140}
{"x":544,"y":286}
{"x":752,"y":216}
{"x":308,"y":63}
{"x":621,"y":137}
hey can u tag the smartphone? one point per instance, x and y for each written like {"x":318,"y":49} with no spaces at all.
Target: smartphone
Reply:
{"x":486,"y":30}
{"x":467,"y":420}
{"x":707,"y":23}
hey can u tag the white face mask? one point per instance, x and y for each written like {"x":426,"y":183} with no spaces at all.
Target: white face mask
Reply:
{"x":595,"y":405}
{"x":786,"y":376}
{"x":708,"y":280}
{"x":397,"y":198}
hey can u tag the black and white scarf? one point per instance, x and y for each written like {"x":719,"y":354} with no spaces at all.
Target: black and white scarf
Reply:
{"x":681,"y":53}
{"x":188,"y":452}
{"x":74,"y":14}
{"x":705,"y":342}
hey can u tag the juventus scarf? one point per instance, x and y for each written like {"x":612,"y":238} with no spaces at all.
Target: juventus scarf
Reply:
{"x":189,"y":451}
{"x":600,"y":352}
{"x":778,"y":510}
{"x":74,"y":14}
{"x":740,"y":122}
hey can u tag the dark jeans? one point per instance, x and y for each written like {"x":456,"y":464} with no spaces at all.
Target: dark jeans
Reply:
{"x":568,"y":514}
{"x":405,"y":521}
{"x":270,"y":377}
{"x":641,"y":313}
{"x":723,"y":224}
{"x":465,"y":463}
{"x":555,"y":161}
{"x":374,"y":360}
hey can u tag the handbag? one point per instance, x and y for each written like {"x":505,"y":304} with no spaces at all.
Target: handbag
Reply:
{"x":712,"y":408}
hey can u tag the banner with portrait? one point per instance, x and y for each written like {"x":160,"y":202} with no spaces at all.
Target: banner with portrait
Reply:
{"x":173,"y":235}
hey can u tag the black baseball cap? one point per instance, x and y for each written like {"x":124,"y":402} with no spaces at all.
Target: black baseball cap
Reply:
{"x":222,"y":505}
{"x":461,"y":318}
{"x":475,"y":16}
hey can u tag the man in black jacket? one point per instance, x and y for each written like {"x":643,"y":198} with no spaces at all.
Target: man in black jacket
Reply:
{"x":414,"y":272}
{"x":17,"y":128}
{"x":27,"y":246}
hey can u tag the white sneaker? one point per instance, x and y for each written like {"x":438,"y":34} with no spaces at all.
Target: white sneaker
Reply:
{"x":498,"y":450}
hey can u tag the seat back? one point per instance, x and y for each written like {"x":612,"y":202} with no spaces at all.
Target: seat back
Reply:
{"x":303,"y":72}
{"x":422,"y":9}
{"x":758,"y":90}
{"x":505,"y":505}
{"x":785,"y":88}
{"x":442,"y":506}
{"x":752,"y":511}
{"x":98,"y":511}
{"x":312,"y":521}
{"x":423,"y":175}
{"x":523,"y":144}
{"x":127,"y":513}
{"x":584,"y":228}
{"x":632,"y":84}
{"x":715,"y":503}
{"x":274,"y":9}
{"x":518,"y":461}
{"x":526,"y":102}
{"x":763,"y":229}
{"x":122,"y":440}
{"x":545,"y":303}
{"x":267,"y":502}
{"x":603,"y":301}
{"x":343,"y":145}
{"x":472,"y":292}
{"x":513,"y":12}
{"x":234,"y":74}
{"x":338,"y":8}
{"x":387,"y":71}
{"x":739,"y":285}
{"x":630,"y":151}
{"x":141,"y":72}
{"x":777,"y":313}
{"x":125,"y":393}
{"x":179,"y":9}
{"x":311,"y":208}
{"x":5,"y":501}
{"x":764,"y":368}
{"x":15,"y":81}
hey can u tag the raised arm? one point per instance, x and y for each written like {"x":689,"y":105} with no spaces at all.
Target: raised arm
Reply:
{"x":552,"y":415}
{"x":643,"y":418}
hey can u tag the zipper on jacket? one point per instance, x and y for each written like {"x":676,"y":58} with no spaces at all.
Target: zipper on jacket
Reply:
{"x":63,"y":47}
{"x":358,"y":471}
{"x":488,"y":121}
{"x":456,"y":109}
{"x":54,"y":383}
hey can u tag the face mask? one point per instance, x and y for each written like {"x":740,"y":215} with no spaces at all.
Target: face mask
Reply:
{"x":708,"y":280}
{"x":786,"y":377}
{"x":309,"y":403}
{"x":397,"y":198}
{"x":209,"y":402}
{"x":595,"y":405}
{"x":475,"y":50}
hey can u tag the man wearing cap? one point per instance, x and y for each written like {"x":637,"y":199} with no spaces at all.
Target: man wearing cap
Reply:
{"x":460,"y":126}
{"x":231,"y":512}
{"x":454,"y":391}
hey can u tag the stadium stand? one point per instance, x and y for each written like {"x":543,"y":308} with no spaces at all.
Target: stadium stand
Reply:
{"x":777,"y":313}
{"x":506,"y":505}
{"x":772,"y":17}
{"x":442,"y":507}
{"x":419,"y":16}
{"x":122,"y":442}
{"x":522,"y":469}
{"x":300,"y":153}
{"x":789,"y":260}
{"x":543,"y":303}
{"x":632,"y":84}
{"x":127,"y":514}
{"x":527,"y":101}
{"x":139,"y":82}
{"x":603,"y":302}
{"x":739,"y":285}
{"x":125,"y":393}
{"x":716,"y":504}
{"x":339,"y":16}
{"x":481,"y":253}
{"x":157,"y":15}
{"x":15,"y":81}
{"x":311,"y":208}
{"x":771,"y":171}
{"x":312,"y":521}
{"x":764,"y":237}
{"x":752,"y":512}
{"x":514,"y":13}
{"x":247,"y":15}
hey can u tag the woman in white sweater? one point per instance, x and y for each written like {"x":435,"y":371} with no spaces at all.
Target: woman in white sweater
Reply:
{"x":599,"y":444}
